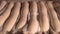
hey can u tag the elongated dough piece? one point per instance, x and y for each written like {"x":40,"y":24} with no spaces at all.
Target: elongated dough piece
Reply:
{"x":6,"y":14}
{"x":44,"y":19}
{"x":3,"y":10}
{"x":13,"y":17}
{"x":25,"y":29}
{"x":2,"y":5}
{"x":23,"y":19}
{"x":52,"y":31}
{"x":54,"y":18}
{"x":33,"y":23}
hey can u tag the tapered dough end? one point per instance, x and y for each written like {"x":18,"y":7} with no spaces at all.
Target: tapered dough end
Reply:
{"x":57,"y":30}
{"x":31,"y":33}
{"x":50,"y":3}
{"x":57,"y":27}
{"x":25,"y":32}
{"x":45,"y":28}
{"x":2,"y":5}
{"x":4,"y":2}
{"x":33,"y":28}
{"x":39,"y":29}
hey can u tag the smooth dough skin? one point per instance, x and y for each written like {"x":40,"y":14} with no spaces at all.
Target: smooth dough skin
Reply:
{"x":24,"y":13}
{"x":54,"y":18}
{"x":5,"y":15}
{"x":13,"y":17}
{"x":2,"y":5}
{"x":45,"y":18}
{"x":33,"y":23}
